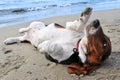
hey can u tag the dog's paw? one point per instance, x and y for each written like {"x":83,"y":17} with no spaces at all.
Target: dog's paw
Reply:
{"x":43,"y":47}
{"x":12,"y":40}
{"x":8,"y":41}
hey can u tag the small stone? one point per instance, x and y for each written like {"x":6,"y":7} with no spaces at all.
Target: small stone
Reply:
{"x":7,"y":51}
{"x":29,"y":72}
{"x":51,"y":65}
{"x":36,"y":79}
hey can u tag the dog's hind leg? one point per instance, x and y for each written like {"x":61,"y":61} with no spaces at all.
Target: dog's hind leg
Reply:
{"x":12,"y":40}
{"x":35,"y":25}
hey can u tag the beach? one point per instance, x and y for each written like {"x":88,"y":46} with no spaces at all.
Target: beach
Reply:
{"x":22,"y":61}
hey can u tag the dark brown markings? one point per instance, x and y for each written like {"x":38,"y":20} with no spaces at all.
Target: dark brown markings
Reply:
{"x":58,"y":26}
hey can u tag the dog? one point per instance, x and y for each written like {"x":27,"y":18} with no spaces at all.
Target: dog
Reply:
{"x":68,"y":45}
{"x":96,"y":47}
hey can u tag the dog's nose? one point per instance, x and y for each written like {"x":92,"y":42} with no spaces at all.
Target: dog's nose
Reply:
{"x":96,"y":23}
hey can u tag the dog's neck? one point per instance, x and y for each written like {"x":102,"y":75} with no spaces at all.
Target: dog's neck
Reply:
{"x":77,"y":45}
{"x":80,"y":50}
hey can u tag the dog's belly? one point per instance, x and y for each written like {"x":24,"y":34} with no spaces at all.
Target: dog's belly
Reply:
{"x":36,"y":36}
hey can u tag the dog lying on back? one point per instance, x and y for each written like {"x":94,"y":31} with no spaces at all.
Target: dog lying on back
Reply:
{"x":84,"y":51}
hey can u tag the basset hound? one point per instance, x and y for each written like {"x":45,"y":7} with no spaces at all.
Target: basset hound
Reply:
{"x":96,"y":47}
{"x":84,"y":51}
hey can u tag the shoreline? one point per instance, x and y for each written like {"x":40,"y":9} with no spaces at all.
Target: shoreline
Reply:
{"x":47,"y":18}
{"x":23,"y":62}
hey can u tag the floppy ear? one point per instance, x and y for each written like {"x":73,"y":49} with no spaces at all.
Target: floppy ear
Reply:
{"x":107,"y":46}
{"x":77,"y":69}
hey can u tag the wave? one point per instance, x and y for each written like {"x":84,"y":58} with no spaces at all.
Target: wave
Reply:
{"x":45,"y":7}
{"x":2,"y":2}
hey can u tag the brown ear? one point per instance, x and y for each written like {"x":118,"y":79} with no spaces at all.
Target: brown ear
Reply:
{"x":78,"y":69}
{"x":75,"y":68}
{"x":108,"y":49}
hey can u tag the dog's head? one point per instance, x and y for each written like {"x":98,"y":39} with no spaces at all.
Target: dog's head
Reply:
{"x":94,"y":43}
{"x":98,"y":45}
{"x":94,"y":48}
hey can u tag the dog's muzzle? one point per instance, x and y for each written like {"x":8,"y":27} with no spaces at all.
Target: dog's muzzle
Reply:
{"x":96,"y":23}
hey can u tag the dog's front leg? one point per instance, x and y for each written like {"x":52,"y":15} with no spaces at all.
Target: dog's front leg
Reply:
{"x":49,"y":47}
{"x":43,"y":47}
{"x":55,"y":50}
{"x":78,"y":25}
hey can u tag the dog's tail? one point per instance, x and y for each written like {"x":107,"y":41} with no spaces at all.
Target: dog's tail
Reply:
{"x":22,"y":30}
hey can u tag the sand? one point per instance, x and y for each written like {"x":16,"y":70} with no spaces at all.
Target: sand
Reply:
{"x":22,"y":61}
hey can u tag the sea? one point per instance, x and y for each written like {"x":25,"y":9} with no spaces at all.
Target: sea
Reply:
{"x":20,"y":11}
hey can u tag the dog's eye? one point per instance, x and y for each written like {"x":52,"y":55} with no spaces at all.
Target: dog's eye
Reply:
{"x":104,"y":43}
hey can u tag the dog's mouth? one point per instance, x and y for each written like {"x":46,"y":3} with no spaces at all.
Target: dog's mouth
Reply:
{"x":87,"y":11}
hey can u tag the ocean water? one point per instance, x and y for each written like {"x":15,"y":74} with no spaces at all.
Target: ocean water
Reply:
{"x":19,"y":11}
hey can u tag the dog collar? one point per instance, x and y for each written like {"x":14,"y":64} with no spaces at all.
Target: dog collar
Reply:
{"x":75,"y":50}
